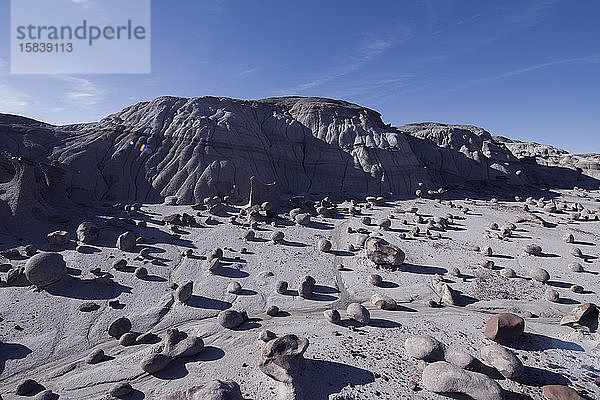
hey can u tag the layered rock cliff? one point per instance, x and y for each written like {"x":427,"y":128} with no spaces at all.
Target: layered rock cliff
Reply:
{"x":193,"y":148}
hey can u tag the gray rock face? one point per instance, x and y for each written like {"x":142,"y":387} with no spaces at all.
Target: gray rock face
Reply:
{"x":381,"y":252}
{"x":213,"y":390}
{"x":88,"y":232}
{"x":44,"y":269}
{"x":199,"y":147}
{"x":443,"y":377}
{"x":282,"y":358}
{"x":504,"y":360}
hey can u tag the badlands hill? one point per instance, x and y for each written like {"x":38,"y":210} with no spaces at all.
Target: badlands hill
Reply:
{"x":194,"y":148}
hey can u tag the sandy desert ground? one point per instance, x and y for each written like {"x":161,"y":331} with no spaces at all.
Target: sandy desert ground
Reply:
{"x":46,"y":337}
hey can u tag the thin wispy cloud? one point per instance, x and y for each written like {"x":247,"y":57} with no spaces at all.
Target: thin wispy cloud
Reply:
{"x":83,"y":93}
{"x":247,"y":72}
{"x":13,"y":100}
{"x":369,"y":46}
{"x":592,"y":59}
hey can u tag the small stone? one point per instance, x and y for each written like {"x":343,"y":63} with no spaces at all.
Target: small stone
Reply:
{"x":460,"y":359}
{"x":58,"y":238}
{"x":576,"y":252}
{"x":383,"y":302}
{"x":121,"y":390}
{"x":576,"y":267}
{"x":375,"y":279}
{"x":560,"y":392}
{"x":249,"y":235}
{"x":486,"y":251}
{"x":539,"y":275}
{"x":489,"y":264}
{"x":234,"y":287}
{"x":272,"y":311}
{"x":568,"y":238}
{"x":183,"y":292}
{"x":128,"y":339}
{"x":88,"y":232}
{"x":532,"y":249}
{"x":454,"y":271}
{"x":30,"y":250}
{"x":114,"y":303}
{"x":266,"y":335}
{"x":281,"y":287}
{"x":324,"y":245}
{"x":27,"y":387}
{"x":215,"y":254}
{"x":126,"y":241}
{"x":577,"y":289}
{"x":44,"y":269}
{"x":384,"y":223}
{"x":306,"y":287}
{"x":357,"y":312}
{"x":277,"y":237}
{"x":88,"y":306}
{"x":424,"y":347}
{"x":95,"y":356}
{"x":120,"y":264}
{"x":231,"y":318}
{"x":45,"y":395}
{"x":443,"y":377}
{"x":508,"y":273}
{"x":579,"y":314}
{"x":504,"y":326}
{"x":503,"y":360}
{"x":119,"y":327}
{"x":302,"y":219}
{"x":141,"y":273}
{"x":332,"y":316}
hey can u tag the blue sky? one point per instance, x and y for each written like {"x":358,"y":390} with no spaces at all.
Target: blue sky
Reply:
{"x":528,"y":70}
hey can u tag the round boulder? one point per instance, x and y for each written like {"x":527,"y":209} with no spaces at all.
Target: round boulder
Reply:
{"x":360,"y":314}
{"x":44,"y":269}
{"x":88,"y":232}
{"x":539,"y":275}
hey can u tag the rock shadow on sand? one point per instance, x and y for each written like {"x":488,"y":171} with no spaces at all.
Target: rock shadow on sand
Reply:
{"x":534,"y":341}
{"x":319,"y":379}
{"x":87,"y":289}
{"x":206,"y":302}
{"x":177,"y":369}
{"x":12,"y":351}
